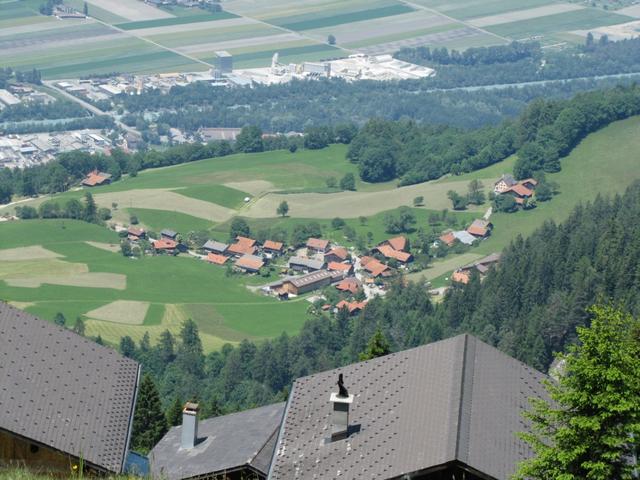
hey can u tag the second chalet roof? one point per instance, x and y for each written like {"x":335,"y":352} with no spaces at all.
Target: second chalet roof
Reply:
{"x":226,"y":443}
{"x":311,"y":263}
{"x":65,"y":391}
{"x":454,"y":400}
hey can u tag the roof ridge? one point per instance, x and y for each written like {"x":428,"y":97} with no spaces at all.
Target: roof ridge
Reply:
{"x":466,"y":393}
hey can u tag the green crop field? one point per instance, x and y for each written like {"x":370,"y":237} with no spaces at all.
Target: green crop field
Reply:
{"x":157,"y":220}
{"x":225,"y":196}
{"x":339,"y":19}
{"x":176,"y":288}
{"x":165,"y":22}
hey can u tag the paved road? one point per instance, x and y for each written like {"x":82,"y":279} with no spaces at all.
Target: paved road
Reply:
{"x":93,"y":109}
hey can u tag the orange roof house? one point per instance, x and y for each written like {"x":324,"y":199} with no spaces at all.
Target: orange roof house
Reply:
{"x":352,"y":307}
{"x":460,"y":276}
{"x":96,"y":178}
{"x":272,"y":246}
{"x":243,"y":246}
{"x":337,"y":254}
{"x":340,"y":267}
{"x":479,"y":228}
{"x":217,"y":259}
{"x":399,"y":255}
{"x":249,"y":263}
{"x":448,"y":238}
{"x":135,"y":233}
{"x":349,"y":284}
{"x":397,"y":243}
{"x":520,"y":190}
{"x":377,"y":268}
{"x":165,"y":244}
{"x":318,"y":244}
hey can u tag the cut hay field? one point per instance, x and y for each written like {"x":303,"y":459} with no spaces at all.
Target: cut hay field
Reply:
{"x":160,"y":291}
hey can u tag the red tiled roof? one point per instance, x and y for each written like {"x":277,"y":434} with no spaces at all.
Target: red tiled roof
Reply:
{"x":520,"y":190}
{"x":165,"y":244}
{"x":365,"y":260}
{"x":460,"y":276}
{"x":317,"y":243}
{"x":135,"y":231}
{"x":94,"y":178}
{"x":339,"y":252}
{"x":217,"y":259}
{"x":241,"y":249}
{"x":340,"y":267}
{"x":448,"y":238}
{"x":351,"y":306}
{"x":249,"y":262}
{"x":245,"y":241}
{"x":375,"y":267}
{"x":271,"y":245}
{"x":389,"y":252}
{"x":350,"y":284}
{"x":398,"y":243}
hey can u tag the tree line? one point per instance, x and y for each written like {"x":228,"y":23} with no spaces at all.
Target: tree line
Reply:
{"x":545,"y":131}
{"x":530,"y":306}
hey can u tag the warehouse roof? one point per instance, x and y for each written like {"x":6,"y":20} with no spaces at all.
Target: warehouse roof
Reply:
{"x":226,"y":443}
{"x":457,"y":400}
{"x":215,"y":246}
{"x":64,"y":391}
{"x":306,"y":262}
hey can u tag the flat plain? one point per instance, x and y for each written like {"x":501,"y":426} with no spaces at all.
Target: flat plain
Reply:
{"x":135,"y":37}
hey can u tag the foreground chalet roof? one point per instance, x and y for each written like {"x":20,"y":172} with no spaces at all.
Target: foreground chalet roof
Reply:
{"x":63,"y":391}
{"x":226,"y":444}
{"x":458,"y":401}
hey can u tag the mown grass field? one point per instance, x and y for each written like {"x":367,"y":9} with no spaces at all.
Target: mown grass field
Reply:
{"x":174,"y":288}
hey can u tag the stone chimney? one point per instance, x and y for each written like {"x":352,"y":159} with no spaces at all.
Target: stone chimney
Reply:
{"x":341,"y":403}
{"x":189,"y":425}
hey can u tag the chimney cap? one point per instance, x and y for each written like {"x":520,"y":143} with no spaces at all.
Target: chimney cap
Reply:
{"x":191,"y":407}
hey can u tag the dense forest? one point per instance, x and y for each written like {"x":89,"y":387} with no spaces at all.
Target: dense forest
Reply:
{"x":298,"y":104}
{"x":545,"y":131}
{"x":529,"y":307}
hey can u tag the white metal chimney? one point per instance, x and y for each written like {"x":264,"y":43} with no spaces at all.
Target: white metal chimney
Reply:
{"x":189,"y":425}
{"x":341,"y":402}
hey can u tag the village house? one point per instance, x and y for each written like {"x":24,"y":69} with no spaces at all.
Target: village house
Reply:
{"x":480,"y":228}
{"x":345,"y":268}
{"x":350,"y":285}
{"x":67,"y":402}
{"x":216,"y":258}
{"x":165,"y":245}
{"x":213,"y":246}
{"x":388,"y":252}
{"x":273,"y":248}
{"x":447,"y":238}
{"x":234,"y":447}
{"x":135,"y":234}
{"x":505,"y":182}
{"x":249,"y":263}
{"x":243,"y":246}
{"x":397,"y":243}
{"x":449,"y":409}
{"x":353,"y":307}
{"x":169,"y":234}
{"x":96,"y":178}
{"x":317,"y":245}
{"x":375,"y":268}
{"x":336,"y":254}
{"x":482,"y":266}
{"x":310,"y":281}
{"x":304,"y":264}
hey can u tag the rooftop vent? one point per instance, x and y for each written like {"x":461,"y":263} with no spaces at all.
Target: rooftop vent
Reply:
{"x":189,"y":425}
{"x":341,"y":402}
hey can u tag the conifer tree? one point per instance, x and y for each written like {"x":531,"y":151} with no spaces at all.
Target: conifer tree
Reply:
{"x":378,"y":346}
{"x":593,"y":427}
{"x":174,"y":413}
{"x":149,"y":423}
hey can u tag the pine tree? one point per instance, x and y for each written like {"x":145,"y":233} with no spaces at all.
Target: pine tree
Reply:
{"x":378,"y":346}
{"x":90,"y":208}
{"x":59,"y":319}
{"x":592,"y":429}
{"x":79,"y":327}
{"x":149,"y":423}
{"x":190,"y":356}
{"x":174,"y":413}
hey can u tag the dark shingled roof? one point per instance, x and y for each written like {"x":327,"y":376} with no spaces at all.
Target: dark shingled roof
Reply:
{"x":64,"y":391}
{"x":239,"y":440}
{"x":457,"y":400}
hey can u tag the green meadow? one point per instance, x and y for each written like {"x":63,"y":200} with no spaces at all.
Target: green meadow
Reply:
{"x":176,"y":288}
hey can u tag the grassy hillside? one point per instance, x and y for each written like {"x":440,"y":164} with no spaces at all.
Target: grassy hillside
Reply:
{"x":119,"y":296}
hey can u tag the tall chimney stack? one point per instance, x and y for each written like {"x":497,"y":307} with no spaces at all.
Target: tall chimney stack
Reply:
{"x":189,"y":425}
{"x":341,"y":402}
